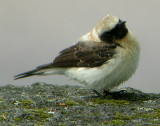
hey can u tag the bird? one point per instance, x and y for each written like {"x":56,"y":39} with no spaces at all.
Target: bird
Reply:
{"x":102,"y":59}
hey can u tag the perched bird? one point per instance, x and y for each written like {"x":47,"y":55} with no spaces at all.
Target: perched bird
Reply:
{"x":102,"y":59}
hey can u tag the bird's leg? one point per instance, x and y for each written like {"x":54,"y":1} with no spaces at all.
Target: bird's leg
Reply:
{"x":98,"y":94}
{"x":106,"y":92}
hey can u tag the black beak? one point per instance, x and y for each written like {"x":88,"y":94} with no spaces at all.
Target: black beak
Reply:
{"x":121,"y":23}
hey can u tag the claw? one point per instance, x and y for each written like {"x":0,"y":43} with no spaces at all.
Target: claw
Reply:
{"x":98,"y":94}
{"x":114,"y":94}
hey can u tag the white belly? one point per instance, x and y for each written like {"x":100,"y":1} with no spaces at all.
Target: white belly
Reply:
{"x":109,"y":75}
{"x":105,"y":77}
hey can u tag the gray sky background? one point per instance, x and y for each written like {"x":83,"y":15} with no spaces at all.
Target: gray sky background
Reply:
{"x":32,"y":32}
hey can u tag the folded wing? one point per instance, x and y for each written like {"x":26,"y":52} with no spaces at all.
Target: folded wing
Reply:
{"x":88,"y":54}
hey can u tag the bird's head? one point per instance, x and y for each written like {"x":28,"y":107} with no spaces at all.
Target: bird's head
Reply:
{"x":111,"y":28}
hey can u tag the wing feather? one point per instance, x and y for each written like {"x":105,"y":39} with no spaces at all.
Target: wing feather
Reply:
{"x":90,"y":54}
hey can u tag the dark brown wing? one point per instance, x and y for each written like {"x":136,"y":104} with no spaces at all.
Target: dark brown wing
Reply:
{"x":88,"y":54}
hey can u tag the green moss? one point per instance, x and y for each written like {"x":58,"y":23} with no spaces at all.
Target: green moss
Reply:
{"x":12,"y":125}
{"x":118,"y":122}
{"x":119,"y":119}
{"x":31,"y":117}
{"x":145,"y":115}
{"x":157,"y":121}
{"x":82,"y":92}
{"x":18,"y":119}
{"x":70,"y":102}
{"x":40,"y":114}
{"x":110,"y":101}
{"x":26,"y":103}
{"x":120,"y":116}
{"x":158,"y":110}
{"x":155,"y":116}
{"x":139,"y":125}
{"x":81,"y":102}
{"x":114,"y":122}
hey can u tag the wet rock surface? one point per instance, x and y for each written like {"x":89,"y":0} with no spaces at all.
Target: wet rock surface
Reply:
{"x":52,"y":105}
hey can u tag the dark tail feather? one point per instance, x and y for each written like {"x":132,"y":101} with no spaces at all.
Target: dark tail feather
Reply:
{"x":37,"y":71}
{"x":26,"y":74}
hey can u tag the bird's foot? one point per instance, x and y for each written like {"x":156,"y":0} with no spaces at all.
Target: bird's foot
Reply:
{"x":99,"y":94}
{"x":113,"y":94}
{"x":106,"y":93}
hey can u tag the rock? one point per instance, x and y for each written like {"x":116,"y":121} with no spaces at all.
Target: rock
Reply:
{"x":46,"y":104}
